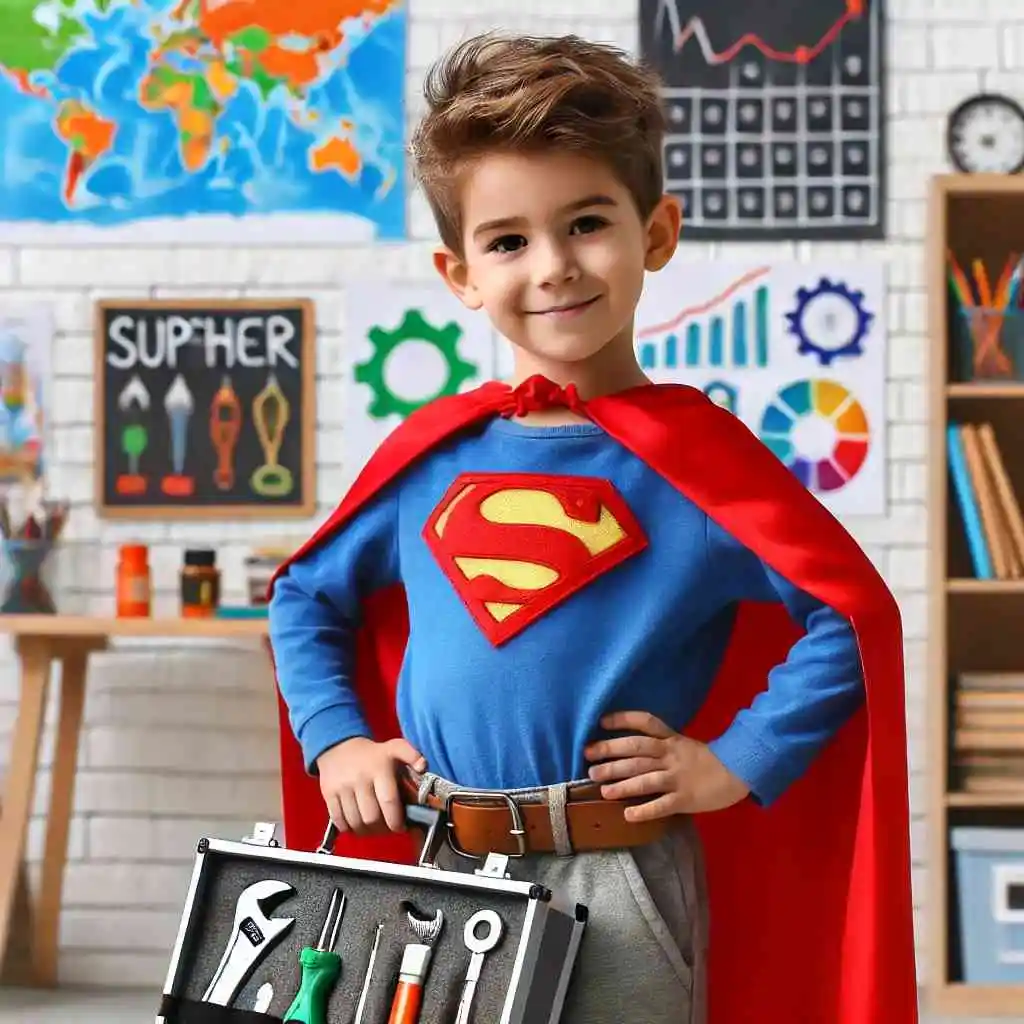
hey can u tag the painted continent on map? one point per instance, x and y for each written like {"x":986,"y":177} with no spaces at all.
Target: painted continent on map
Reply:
{"x":121,"y":113}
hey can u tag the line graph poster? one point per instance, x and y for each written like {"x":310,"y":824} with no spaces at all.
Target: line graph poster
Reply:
{"x":776,"y":115}
{"x":796,"y":352}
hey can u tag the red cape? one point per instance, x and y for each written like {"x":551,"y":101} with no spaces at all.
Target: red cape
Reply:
{"x":811,"y":911}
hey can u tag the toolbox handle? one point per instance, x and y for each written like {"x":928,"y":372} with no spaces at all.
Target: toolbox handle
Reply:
{"x":427,"y":818}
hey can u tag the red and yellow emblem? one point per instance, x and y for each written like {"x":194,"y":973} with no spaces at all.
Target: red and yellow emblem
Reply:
{"x":515,"y":545}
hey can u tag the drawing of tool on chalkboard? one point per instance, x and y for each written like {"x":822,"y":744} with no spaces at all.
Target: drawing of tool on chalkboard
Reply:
{"x":270,"y":415}
{"x":225,"y":424}
{"x":178,"y":403}
{"x":134,"y":437}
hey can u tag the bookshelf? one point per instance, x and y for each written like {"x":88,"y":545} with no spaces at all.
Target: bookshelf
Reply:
{"x":976,"y":625}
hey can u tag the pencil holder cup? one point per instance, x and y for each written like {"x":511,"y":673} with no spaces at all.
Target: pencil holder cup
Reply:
{"x":989,"y":344}
{"x":26,"y":586}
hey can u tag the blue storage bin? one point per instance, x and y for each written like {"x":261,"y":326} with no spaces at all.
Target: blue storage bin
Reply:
{"x":990,"y":886}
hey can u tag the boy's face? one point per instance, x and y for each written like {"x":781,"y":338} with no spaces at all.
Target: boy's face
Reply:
{"x":555,"y":252}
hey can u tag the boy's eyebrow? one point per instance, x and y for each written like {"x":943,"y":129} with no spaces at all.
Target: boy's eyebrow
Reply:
{"x":579,"y":204}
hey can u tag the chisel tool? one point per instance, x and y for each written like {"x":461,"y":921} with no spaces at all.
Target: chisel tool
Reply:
{"x":320,"y":969}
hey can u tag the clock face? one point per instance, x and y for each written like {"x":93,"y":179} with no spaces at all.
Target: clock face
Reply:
{"x":985,"y":134}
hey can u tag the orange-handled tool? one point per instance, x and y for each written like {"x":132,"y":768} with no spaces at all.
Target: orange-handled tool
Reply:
{"x":412,"y":975}
{"x":405,"y":1009}
{"x":225,"y":424}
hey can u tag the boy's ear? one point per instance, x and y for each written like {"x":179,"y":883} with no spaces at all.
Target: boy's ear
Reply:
{"x":663,"y":232}
{"x":455,"y":274}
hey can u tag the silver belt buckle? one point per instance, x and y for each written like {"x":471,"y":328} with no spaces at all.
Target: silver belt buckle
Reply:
{"x":484,"y":796}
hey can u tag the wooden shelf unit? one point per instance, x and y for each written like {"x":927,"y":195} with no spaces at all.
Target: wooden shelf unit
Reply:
{"x":974,"y":624}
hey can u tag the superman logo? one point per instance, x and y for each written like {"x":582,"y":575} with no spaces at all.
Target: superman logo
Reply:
{"x":515,"y":545}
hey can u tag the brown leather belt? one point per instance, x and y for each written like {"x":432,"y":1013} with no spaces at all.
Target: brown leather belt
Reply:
{"x":482,"y":824}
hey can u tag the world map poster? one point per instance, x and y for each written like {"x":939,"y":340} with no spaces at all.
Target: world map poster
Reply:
{"x":202,"y":120}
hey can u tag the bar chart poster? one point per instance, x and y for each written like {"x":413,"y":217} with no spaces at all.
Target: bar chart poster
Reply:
{"x":776,"y":115}
{"x":795,"y":351}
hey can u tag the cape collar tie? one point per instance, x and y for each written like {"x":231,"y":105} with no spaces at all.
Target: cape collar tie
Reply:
{"x":537,"y":393}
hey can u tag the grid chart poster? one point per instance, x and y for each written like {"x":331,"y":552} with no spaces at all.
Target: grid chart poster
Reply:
{"x":797,"y":352}
{"x":406,"y":345}
{"x":775,"y":115}
{"x":190,"y":121}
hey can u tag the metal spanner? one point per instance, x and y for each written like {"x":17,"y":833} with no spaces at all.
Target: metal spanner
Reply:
{"x":253,"y":935}
{"x":479,"y":945}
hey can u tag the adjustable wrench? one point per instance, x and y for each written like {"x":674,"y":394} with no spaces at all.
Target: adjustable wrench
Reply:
{"x":479,"y":946}
{"x":253,"y":935}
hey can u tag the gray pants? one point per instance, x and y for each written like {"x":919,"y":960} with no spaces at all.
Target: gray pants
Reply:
{"x":644,"y":952}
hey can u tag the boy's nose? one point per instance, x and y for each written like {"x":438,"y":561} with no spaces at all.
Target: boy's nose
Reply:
{"x":554,"y":264}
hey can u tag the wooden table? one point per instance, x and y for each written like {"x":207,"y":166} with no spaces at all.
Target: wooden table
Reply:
{"x":40,"y":640}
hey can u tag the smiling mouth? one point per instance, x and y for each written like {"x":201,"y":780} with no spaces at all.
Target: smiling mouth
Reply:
{"x":569,"y":307}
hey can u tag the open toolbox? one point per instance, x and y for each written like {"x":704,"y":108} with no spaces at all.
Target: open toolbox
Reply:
{"x":270,"y":934}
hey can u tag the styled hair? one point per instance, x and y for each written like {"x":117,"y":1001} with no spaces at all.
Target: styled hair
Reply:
{"x":525,"y":94}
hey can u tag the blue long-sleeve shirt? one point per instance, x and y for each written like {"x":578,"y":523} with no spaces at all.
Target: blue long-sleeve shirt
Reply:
{"x":648,"y":634}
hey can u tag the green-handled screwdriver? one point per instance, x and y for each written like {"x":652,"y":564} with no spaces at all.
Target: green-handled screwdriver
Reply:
{"x":320,"y":969}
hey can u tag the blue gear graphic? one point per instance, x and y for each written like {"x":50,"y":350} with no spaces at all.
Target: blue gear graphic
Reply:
{"x":721,"y":394}
{"x":414,"y":327}
{"x":846,"y":346}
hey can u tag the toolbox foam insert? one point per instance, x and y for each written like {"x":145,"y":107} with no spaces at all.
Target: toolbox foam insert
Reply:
{"x":371,"y":897}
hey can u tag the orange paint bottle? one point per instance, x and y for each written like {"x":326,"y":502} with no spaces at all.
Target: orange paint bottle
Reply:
{"x":133,"y":584}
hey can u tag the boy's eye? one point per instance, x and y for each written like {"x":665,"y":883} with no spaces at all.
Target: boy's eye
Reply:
{"x":507,"y":243}
{"x":588,"y":224}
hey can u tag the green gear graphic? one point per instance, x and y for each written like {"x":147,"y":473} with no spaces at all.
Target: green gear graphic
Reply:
{"x":414,"y":327}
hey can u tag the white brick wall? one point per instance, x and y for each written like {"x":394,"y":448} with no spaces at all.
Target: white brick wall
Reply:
{"x":180,"y":742}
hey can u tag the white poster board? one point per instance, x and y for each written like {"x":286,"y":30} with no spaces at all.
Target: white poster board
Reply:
{"x":797,"y":351}
{"x":405,"y":346}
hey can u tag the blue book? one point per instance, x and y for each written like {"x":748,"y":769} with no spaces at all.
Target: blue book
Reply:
{"x":968,"y":504}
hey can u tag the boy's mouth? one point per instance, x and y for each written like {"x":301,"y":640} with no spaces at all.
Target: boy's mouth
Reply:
{"x":567,"y":309}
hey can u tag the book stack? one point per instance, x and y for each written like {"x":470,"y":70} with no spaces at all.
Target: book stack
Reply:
{"x":988,"y":505}
{"x":988,"y":732}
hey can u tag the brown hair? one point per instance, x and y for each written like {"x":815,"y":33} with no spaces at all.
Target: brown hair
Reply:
{"x":526,"y":94}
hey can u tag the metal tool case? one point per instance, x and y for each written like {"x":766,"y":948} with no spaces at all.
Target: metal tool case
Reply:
{"x":234,"y":943}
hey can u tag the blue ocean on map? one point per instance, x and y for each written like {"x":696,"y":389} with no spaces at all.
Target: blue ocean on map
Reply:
{"x":272,"y":149}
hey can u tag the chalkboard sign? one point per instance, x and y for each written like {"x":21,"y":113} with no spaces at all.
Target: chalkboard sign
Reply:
{"x":205,"y":409}
{"x":776,"y":115}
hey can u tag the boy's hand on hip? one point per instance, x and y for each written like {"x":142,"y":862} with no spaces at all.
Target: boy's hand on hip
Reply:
{"x":679,"y":774}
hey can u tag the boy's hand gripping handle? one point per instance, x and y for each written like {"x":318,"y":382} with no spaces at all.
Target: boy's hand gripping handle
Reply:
{"x":425,"y":818}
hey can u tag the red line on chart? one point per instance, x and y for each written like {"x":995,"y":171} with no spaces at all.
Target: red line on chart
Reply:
{"x":669,"y":325}
{"x":695,"y":29}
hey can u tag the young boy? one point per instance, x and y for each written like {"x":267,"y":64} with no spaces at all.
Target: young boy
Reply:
{"x":580,"y":565}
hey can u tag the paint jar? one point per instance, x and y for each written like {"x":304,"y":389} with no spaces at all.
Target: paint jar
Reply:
{"x":133,"y":583}
{"x":200,"y":584}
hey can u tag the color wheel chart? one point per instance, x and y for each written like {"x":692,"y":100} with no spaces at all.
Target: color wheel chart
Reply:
{"x":775,"y":115}
{"x":819,"y":430}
